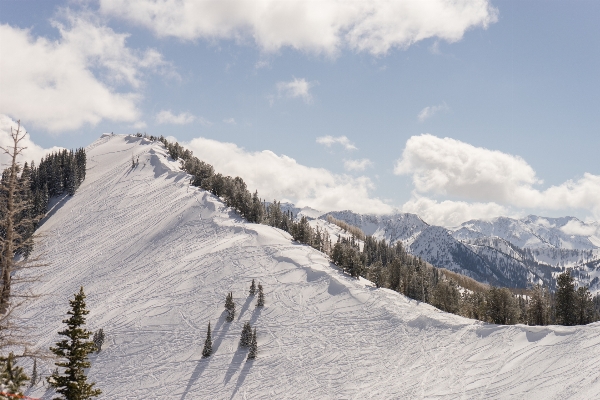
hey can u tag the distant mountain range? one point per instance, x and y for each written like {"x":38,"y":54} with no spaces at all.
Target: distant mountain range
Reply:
{"x":503,"y":251}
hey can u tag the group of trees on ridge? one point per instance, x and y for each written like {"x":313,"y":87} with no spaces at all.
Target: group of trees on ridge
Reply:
{"x":24,"y":196}
{"x":390,"y":266}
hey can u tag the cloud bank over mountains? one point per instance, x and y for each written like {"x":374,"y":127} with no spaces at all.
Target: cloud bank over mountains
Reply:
{"x":486,"y":182}
{"x":314,"y":26}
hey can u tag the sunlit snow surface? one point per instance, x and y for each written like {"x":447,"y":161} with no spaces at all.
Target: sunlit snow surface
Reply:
{"x":157,"y":257}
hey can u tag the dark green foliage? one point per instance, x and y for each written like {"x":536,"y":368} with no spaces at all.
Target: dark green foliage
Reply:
{"x":34,"y":374}
{"x":99,"y":339}
{"x":261,"y":297}
{"x":584,"y":306}
{"x":446,"y":296}
{"x":246,"y":338}
{"x":12,"y":377}
{"x":501,"y":307}
{"x":207,"y":350}
{"x":252,"y":288}
{"x":230,"y":307}
{"x":565,"y":300}
{"x":538,"y":312}
{"x":253,"y":347}
{"x":72,"y":384}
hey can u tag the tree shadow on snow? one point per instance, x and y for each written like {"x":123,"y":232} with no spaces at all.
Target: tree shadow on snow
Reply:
{"x":236,"y":362}
{"x":54,"y":204}
{"x":255,"y":315}
{"x":245,"y":306}
{"x":200,"y":367}
{"x":221,"y":332}
{"x":247,"y":365}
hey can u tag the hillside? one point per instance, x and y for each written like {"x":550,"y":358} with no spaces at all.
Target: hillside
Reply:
{"x":157,"y":257}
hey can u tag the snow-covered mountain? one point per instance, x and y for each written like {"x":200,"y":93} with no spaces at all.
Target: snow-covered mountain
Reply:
{"x":157,"y":257}
{"x":503,"y":251}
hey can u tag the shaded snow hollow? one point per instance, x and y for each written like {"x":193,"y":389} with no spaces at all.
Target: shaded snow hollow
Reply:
{"x":157,"y":257}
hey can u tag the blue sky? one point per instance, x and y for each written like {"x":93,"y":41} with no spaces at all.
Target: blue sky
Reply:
{"x":453,"y":110}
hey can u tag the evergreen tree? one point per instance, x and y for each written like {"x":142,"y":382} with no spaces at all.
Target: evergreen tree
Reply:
{"x":584,"y":306}
{"x":73,"y":384}
{"x":34,"y":374}
{"x":253,"y":347}
{"x":230,"y":307}
{"x":246,"y":338}
{"x":99,"y":339}
{"x":261,"y":296}
{"x":252,"y":288}
{"x":207,"y":350}
{"x":12,"y":378}
{"x":537,"y":312}
{"x":565,"y":299}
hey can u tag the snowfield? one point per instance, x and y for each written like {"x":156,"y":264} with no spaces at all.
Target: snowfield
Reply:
{"x":157,"y":257}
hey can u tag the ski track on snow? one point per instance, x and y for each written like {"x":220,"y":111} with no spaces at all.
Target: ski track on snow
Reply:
{"x":157,"y":257}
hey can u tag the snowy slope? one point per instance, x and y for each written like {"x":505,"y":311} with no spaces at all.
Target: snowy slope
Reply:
{"x":157,"y":257}
{"x":534,"y":232}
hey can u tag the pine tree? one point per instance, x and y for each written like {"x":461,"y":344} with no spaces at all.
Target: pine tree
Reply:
{"x":12,"y":378}
{"x":73,"y":384}
{"x":230,"y":307}
{"x":246,"y":338}
{"x":565,"y":299}
{"x":34,"y":374}
{"x":207,"y":350}
{"x":252,"y":288}
{"x":253,"y":347}
{"x":261,"y":296}
{"x":99,"y":339}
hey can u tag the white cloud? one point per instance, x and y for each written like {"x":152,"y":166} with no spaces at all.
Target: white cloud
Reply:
{"x":281,"y":177}
{"x":318,"y":26}
{"x":295,"y":88}
{"x":430,"y":111}
{"x":450,"y":167}
{"x":51,"y":84}
{"x":230,"y":121}
{"x":329,"y":140}
{"x":453,"y":213}
{"x":575,"y":227}
{"x":357,"y":165}
{"x":167,"y":117}
{"x":32,"y":151}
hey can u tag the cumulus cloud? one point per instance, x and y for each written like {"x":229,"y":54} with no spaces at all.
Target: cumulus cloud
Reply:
{"x":283,"y":178}
{"x":452,"y":213}
{"x":357,"y":165}
{"x":32,"y":151}
{"x":167,"y":117}
{"x":52,"y":84}
{"x":329,"y":140}
{"x":295,"y":88}
{"x":317,"y":26}
{"x":450,"y":167}
{"x":576,"y":227}
{"x":430,"y":111}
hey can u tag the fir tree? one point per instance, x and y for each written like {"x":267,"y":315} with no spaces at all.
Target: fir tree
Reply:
{"x":565,"y":299}
{"x":230,"y":307}
{"x":99,"y":339}
{"x":34,"y":374}
{"x":253,"y":347}
{"x":261,"y":296}
{"x":207,"y":350}
{"x":252,"y":288}
{"x":246,"y":338}
{"x":73,"y":384}
{"x":12,"y":378}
